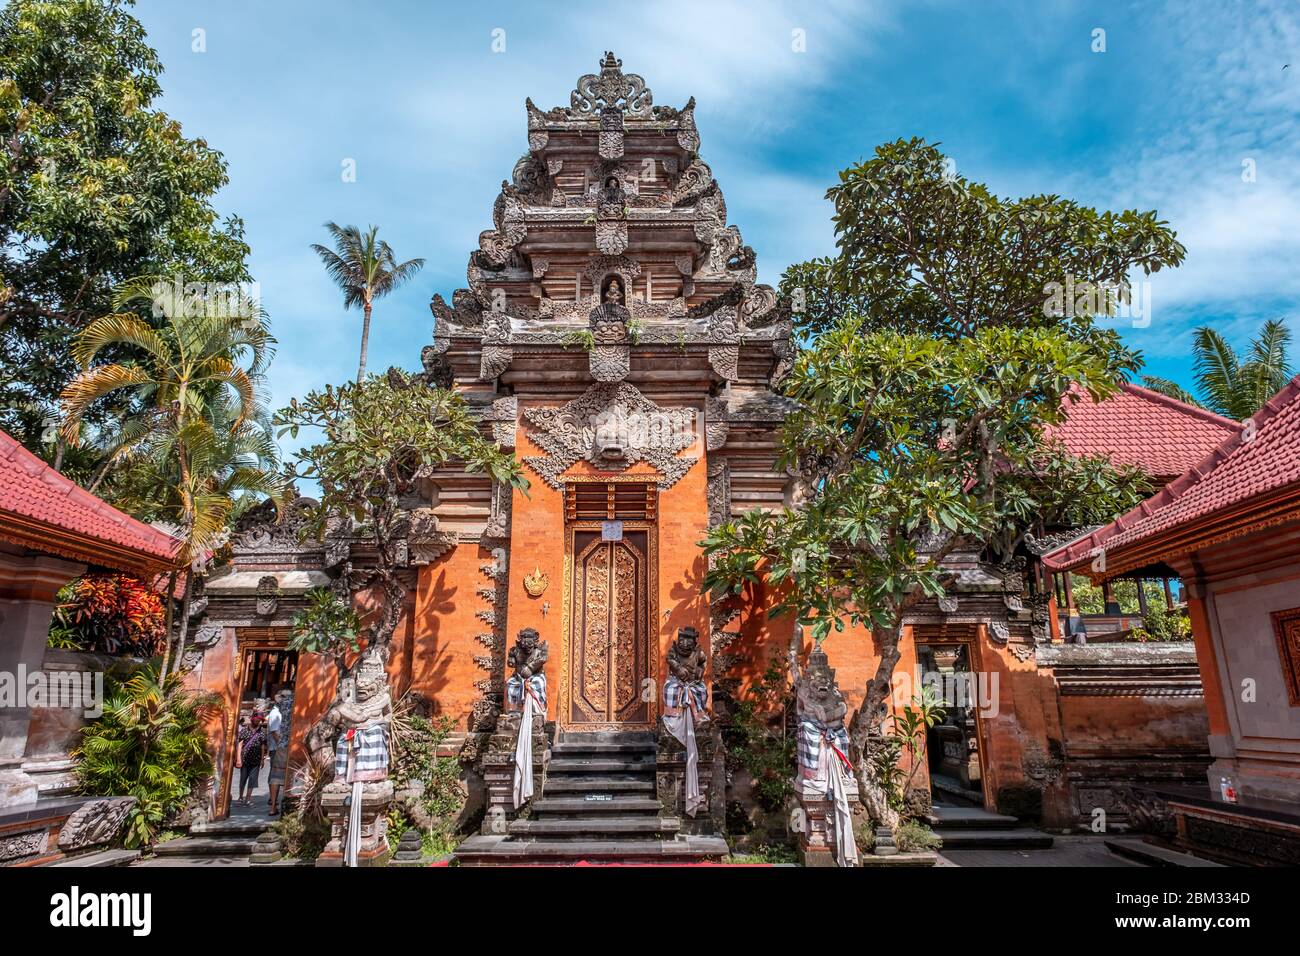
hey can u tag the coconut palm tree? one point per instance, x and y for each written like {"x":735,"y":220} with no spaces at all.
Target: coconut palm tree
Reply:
{"x":365,"y":268}
{"x":1230,"y":384}
{"x":201,"y":437}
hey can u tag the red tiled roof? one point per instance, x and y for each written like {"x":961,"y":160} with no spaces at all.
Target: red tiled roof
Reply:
{"x":1136,"y":426}
{"x":1252,"y":469}
{"x":44,"y":511}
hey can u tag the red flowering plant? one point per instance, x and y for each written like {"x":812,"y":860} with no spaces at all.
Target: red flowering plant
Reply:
{"x":109,"y":613}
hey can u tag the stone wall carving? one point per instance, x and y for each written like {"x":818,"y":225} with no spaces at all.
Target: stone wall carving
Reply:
{"x":95,"y":823}
{"x":613,"y":426}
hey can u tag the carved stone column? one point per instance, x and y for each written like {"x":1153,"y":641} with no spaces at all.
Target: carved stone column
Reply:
{"x":499,"y":769}
{"x":336,"y":802}
{"x":670,"y":780}
{"x":816,"y":822}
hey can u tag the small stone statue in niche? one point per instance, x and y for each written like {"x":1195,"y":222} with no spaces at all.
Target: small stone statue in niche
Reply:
{"x":612,"y":200}
{"x":609,"y":319}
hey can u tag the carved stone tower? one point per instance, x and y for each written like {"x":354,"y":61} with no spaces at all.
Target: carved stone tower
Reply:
{"x":614,"y":333}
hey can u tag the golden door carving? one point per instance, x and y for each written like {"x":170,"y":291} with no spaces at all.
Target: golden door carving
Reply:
{"x":609,"y":658}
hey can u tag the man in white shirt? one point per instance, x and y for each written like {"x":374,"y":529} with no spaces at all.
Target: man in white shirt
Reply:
{"x":274,"y":745}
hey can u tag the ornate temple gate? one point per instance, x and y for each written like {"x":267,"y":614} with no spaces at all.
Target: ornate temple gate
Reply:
{"x":608,"y":664}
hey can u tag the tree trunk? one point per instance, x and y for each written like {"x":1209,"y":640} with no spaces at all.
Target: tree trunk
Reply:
{"x":185,"y":622}
{"x":365,"y":343}
{"x":866,"y":735}
{"x":167,"y":627}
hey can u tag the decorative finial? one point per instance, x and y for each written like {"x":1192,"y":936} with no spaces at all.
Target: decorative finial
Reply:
{"x":611,"y":88}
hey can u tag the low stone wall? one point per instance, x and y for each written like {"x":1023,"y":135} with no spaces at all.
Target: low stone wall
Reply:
{"x":55,"y":730}
{"x":1128,"y":714}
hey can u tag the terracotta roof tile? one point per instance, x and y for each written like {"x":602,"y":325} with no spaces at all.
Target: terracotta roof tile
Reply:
{"x":32,"y":490}
{"x":1136,"y":426}
{"x":1256,"y":464}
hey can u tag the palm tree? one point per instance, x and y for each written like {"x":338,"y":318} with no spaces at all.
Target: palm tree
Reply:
{"x":195,"y":444}
{"x":365,"y":268}
{"x":1233,"y":385}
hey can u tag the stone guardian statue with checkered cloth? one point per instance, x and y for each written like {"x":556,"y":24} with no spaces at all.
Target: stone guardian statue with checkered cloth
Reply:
{"x":685,"y":701}
{"x":526,"y":690}
{"x":825,"y":783}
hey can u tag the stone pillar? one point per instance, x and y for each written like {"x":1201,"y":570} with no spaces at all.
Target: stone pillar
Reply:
{"x":336,"y":802}
{"x":817,"y":815}
{"x":499,"y":769}
{"x":670,"y":780}
{"x":28,"y":586}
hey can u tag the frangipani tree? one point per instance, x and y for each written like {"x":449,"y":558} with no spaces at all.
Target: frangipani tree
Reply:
{"x":934,"y":365}
{"x":377,"y":440}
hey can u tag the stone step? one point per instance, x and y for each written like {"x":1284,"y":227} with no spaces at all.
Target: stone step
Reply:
{"x":583,"y":806}
{"x":234,"y":826}
{"x":569,"y":749}
{"x":596,"y":783}
{"x":496,"y":850}
{"x":607,"y":737}
{"x":102,"y":858}
{"x":1152,"y":854}
{"x":599,"y":765}
{"x":970,"y":818}
{"x":991,"y":839}
{"x":647,"y":826}
{"x":232,"y":846}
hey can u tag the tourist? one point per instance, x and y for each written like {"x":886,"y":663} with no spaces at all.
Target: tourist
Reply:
{"x":249,"y":755}
{"x":278,"y":726}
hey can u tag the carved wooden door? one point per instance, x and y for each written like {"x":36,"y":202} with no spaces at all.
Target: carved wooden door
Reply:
{"x":609,"y":641}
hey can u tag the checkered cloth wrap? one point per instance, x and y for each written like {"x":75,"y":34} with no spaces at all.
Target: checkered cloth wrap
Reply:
{"x":364,"y":757}
{"x":675,"y":694}
{"x":813,"y":735}
{"x":683,"y":706}
{"x":515,"y":690}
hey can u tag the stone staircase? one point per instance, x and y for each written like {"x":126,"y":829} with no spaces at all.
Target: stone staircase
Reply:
{"x":598,"y":803}
{"x":224,"y":842}
{"x":974,"y":828}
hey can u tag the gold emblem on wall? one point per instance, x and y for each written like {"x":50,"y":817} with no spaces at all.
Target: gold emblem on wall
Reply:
{"x":536,"y":582}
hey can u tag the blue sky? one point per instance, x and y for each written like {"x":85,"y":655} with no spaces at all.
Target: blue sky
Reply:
{"x":1183,"y":98}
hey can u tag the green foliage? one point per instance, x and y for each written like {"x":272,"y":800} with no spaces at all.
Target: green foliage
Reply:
{"x":903,"y":438}
{"x":96,"y":186}
{"x":936,"y":361}
{"x":418,"y":768}
{"x":326,"y":625}
{"x":758,"y":738}
{"x":913,"y":836}
{"x":200,"y":439}
{"x":767,"y":854}
{"x":1163,"y":624}
{"x":377,"y":438}
{"x":923,"y":248}
{"x":1231,"y":384}
{"x":584,"y":339}
{"x":907,"y":739}
{"x":149,"y":744}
